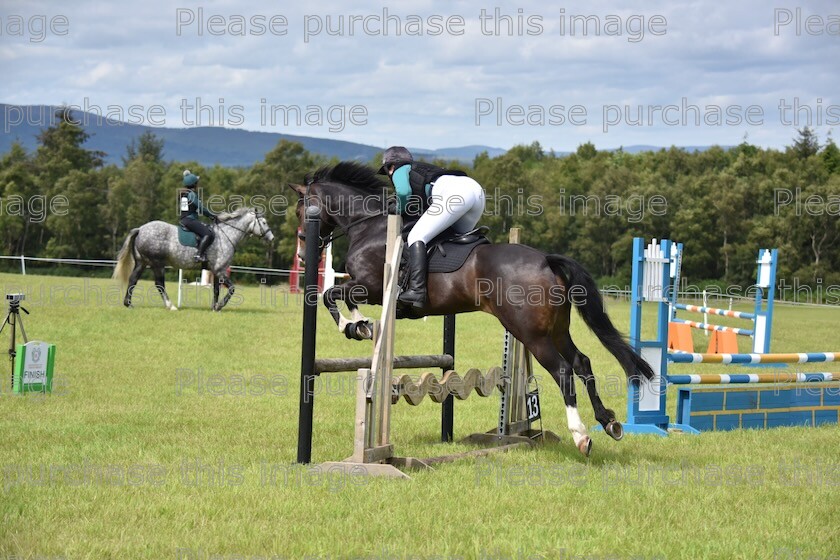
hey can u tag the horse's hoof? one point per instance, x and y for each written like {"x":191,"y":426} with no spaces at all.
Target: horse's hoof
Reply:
{"x":585,"y":446}
{"x":615,"y":430}
{"x":360,"y":330}
{"x":364,"y":330}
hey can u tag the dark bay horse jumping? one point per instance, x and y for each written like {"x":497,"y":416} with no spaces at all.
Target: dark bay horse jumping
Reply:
{"x":530,"y":292}
{"x":156,"y":245}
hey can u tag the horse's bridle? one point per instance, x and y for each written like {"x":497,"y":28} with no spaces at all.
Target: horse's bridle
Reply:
{"x":324,"y":241}
{"x":262,"y":233}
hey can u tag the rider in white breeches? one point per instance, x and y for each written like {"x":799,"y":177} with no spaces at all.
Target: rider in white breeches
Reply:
{"x":456,"y":202}
{"x":446,"y":198}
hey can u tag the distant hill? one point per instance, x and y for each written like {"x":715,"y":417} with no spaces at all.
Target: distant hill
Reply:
{"x":639,"y":148}
{"x":207,"y":145}
{"x":228,"y":147}
{"x":635,"y":149}
{"x":465,"y":153}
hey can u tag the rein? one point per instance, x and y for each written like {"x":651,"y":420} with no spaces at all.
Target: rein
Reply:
{"x":228,"y":224}
{"x":324,"y":241}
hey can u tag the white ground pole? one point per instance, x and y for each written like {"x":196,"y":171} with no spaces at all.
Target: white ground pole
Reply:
{"x":205,"y":280}
{"x":329,"y":271}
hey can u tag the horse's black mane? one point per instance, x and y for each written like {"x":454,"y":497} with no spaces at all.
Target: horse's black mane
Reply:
{"x":349,"y":173}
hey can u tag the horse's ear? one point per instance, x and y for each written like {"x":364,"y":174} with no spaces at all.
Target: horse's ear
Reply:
{"x":300,"y":189}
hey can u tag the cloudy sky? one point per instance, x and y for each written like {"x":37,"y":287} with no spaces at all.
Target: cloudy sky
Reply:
{"x":438,"y":74}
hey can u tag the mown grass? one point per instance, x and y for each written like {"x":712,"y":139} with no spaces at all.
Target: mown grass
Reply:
{"x":174,"y":468}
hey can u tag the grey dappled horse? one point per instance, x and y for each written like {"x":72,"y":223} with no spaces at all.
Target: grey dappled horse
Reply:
{"x":156,"y":245}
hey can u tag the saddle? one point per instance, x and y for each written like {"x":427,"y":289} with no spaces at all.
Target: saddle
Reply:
{"x":445,"y":253}
{"x":186,"y":237}
{"x":450,"y":250}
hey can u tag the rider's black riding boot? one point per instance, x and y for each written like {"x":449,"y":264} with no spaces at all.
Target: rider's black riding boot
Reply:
{"x":202,"y":248}
{"x":415,"y":295}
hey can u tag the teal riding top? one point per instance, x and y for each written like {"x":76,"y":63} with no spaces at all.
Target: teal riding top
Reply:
{"x":402,"y":186}
{"x":191,"y":206}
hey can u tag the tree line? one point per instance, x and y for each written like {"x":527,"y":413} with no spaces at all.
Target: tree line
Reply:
{"x":61,"y":201}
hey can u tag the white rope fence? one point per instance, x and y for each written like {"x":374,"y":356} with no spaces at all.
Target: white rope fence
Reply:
{"x":113,"y":263}
{"x":611,"y":291}
{"x":204,"y":277}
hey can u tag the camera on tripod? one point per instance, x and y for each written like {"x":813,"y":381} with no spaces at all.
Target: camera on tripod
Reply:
{"x":14,"y":319}
{"x":32,"y":362}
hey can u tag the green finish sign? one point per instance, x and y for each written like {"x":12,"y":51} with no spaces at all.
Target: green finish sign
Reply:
{"x":34,"y":365}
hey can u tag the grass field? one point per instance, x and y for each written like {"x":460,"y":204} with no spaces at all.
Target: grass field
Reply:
{"x":173,"y":435}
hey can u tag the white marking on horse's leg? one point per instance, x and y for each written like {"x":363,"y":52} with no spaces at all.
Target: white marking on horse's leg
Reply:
{"x":168,"y":302}
{"x":575,"y":425}
{"x":357,"y":316}
{"x":343,"y":321}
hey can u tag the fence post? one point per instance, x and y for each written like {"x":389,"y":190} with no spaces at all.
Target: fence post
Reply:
{"x":447,"y":410}
{"x":310,"y":319}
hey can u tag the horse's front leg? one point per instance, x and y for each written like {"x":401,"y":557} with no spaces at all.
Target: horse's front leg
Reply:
{"x":217,"y":282}
{"x":357,"y":327}
{"x":223,"y":279}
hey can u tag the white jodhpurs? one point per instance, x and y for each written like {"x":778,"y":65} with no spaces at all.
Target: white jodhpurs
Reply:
{"x":456,"y":201}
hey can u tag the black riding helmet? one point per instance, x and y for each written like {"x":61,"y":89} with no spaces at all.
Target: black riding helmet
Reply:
{"x":396,"y":155}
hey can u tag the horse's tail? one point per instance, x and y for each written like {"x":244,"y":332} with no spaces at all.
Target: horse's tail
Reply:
{"x":125,"y":259}
{"x":584,"y":295}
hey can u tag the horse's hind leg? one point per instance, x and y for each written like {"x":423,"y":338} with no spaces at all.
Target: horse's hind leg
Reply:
{"x":160,"y":284}
{"x":547,"y":355}
{"x":583,"y":368}
{"x":139,"y":266}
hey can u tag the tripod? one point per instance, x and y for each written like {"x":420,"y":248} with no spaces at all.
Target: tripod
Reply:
{"x":13,"y":319}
